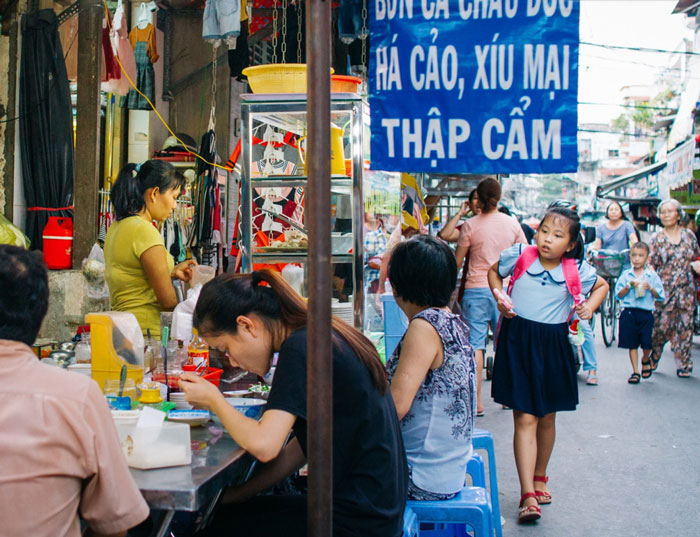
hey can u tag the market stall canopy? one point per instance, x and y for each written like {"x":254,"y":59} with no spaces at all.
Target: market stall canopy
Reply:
{"x":437,"y":184}
{"x":606,"y":190}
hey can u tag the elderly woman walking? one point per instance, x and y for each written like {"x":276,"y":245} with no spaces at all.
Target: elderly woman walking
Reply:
{"x":672,"y":251}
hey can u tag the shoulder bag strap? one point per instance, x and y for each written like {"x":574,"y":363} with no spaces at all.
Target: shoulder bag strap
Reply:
{"x":463,"y":281}
{"x":524,"y":262}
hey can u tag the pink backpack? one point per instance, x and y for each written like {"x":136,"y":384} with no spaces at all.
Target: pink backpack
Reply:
{"x":568,"y":265}
{"x":571,"y":277}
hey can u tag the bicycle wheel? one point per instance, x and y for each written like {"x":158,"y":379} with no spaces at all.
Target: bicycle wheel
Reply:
{"x":607,"y":320}
{"x":615,"y":316}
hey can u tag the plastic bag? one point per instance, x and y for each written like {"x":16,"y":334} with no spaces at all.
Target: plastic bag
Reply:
{"x":183,"y":313}
{"x":11,"y":234}
{"x":93,"y":269}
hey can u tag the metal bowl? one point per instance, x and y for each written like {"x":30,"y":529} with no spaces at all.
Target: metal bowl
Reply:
{"x":62,"y":358}
{"x":67,"y":346}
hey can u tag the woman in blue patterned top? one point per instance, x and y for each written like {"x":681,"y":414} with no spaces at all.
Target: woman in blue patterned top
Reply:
{"x":432,"y":371}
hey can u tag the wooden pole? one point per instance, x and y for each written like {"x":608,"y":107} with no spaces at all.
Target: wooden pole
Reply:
{"x":87,"y":147}
{"x":318,"y":214}
{"x":12,"y":22}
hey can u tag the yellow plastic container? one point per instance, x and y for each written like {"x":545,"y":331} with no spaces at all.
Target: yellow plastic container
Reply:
{"x":106,"y":363}
{"x":277,"y":78}
{"x":150,"y":395}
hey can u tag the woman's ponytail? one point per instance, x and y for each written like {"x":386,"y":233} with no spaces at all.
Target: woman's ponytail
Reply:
{"x":126,"y":194}
{"x":134,"y":180}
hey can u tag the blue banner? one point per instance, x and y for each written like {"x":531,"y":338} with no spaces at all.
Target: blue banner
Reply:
{"x":474,"y":86}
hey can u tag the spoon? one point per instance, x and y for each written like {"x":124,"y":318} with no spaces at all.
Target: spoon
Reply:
{"x":235,"y":378}
{"x":122,"y":380}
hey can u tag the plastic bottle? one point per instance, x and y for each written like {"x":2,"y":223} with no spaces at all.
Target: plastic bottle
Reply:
{"x":182,"y":354}
{"x":198,"y":351}
{"x":83,"y":351}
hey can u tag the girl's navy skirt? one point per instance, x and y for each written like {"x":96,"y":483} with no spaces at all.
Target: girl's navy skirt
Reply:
{"x":534,"y":370}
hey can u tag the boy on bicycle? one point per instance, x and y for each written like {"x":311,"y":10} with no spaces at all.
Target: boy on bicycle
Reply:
{"x":638,"y":288}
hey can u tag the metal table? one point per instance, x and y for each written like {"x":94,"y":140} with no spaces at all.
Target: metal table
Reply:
{"x":217,"y":462}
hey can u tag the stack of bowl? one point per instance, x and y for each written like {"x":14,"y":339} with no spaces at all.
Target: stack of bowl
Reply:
{"x":179,"y":399}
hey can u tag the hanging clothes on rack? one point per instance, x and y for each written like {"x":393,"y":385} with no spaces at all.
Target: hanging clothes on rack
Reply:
{"x":239,"y":56}
{"x":205,"y":238}
{"x":238,"y":52}
{"x":173,"y":231}
{"x":109,"y":73}
{"x":120,"y":43}
{"x":143,"y":40}
{"x":112,"y":71}
{"x":222,"y":21}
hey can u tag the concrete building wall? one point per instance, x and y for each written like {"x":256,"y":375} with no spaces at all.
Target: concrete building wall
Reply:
{"x":68,"y":304}
{"x":191,"y":84}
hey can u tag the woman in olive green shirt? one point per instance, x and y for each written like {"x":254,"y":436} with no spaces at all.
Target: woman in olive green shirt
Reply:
{"x":138,"y":267}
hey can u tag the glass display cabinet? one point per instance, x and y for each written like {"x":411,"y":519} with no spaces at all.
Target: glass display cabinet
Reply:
{"x":273,"y":192}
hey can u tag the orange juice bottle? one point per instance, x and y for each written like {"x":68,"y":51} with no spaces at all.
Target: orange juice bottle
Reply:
{"x":198,"y":351}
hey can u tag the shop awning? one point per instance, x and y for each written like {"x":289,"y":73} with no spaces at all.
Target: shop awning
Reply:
{"x":605,"y":190}
{"x":684,"y":6}
{"x":682,"y":127}
{"x":680,"y":167}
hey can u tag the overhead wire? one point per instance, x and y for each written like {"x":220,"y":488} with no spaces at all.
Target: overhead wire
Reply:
{"x":633,"y":134}
{"x":642,"y":106}
{"x":640,"y":49}
{"x":627,"y":61}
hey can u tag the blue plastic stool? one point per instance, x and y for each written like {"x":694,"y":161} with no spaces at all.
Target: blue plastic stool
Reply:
{"x":475,"y":468}
{"x":410,"y":523}
{"x":470,"y":507}
{"x":482,"y":439}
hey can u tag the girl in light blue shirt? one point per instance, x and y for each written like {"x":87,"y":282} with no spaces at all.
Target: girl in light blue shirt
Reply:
{"x":534,"y":369}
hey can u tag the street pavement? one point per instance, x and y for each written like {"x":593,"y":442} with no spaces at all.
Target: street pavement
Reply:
{"x":626,"y":463}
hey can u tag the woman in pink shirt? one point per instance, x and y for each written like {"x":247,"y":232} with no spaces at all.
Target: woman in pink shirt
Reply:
{"x":484,"y":237}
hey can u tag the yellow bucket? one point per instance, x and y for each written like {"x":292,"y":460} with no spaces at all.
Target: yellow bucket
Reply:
{"x":277,"y":78}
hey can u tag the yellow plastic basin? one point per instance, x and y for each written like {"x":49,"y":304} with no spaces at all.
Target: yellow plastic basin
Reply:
{"x":277,"y":78}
